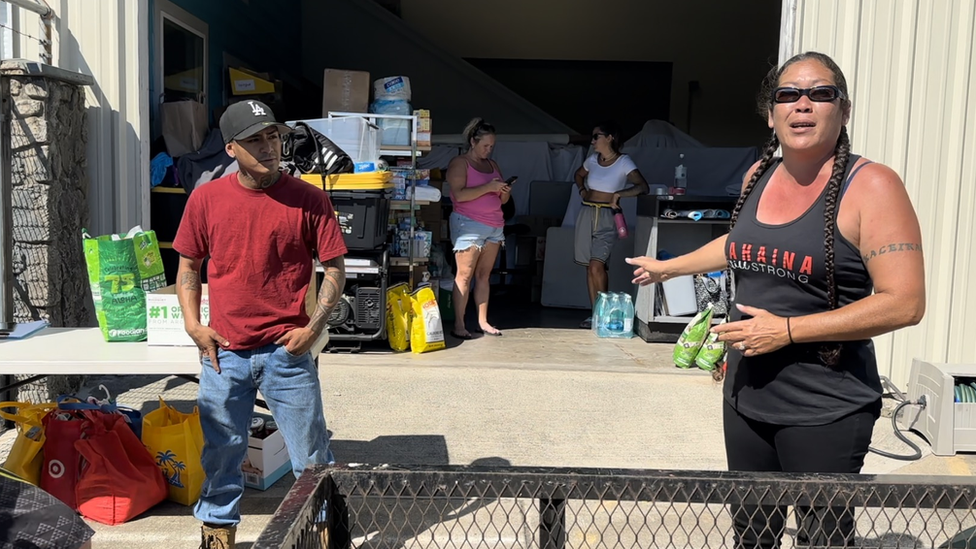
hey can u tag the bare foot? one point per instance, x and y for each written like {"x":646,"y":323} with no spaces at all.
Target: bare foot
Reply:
{"x":461,"y":333}
{"x":490,"y":330}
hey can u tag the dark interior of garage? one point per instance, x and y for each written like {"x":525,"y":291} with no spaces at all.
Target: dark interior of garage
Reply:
{"x":543,"y":72}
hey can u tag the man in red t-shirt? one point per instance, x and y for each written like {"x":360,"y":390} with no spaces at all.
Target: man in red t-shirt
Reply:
{"x":261,"y":230}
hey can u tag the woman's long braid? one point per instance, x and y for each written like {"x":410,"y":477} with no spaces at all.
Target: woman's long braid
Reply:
{"x":768,"y":154}
{"x":830,"y":354}
{"x":765,"y":161}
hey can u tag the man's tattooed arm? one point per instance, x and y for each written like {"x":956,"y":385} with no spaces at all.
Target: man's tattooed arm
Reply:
{"x":188,"y":291}
{"x":190,"y":281}
{"x":329,"y":293}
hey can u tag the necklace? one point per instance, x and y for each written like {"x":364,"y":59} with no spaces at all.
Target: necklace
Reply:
{"x":614,"y":157}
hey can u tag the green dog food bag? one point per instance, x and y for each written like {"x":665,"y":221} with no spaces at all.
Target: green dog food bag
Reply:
{"x":122,"y":268}
{"x":692,"y":338}
{"x":711,"y":352}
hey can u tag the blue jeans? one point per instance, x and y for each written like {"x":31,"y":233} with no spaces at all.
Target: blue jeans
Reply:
{"x":290,"y":386}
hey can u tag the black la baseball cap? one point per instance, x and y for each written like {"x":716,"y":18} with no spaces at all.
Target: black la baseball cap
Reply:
{"x":246,"y":118}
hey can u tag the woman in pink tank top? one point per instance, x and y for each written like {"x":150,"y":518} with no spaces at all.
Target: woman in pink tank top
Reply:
{"x":477,"y":223}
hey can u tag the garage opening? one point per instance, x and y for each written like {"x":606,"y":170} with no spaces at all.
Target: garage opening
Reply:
{"x":680,"y":79}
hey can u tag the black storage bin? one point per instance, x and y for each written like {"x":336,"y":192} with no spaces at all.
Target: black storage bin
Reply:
{"x":363,"y":217}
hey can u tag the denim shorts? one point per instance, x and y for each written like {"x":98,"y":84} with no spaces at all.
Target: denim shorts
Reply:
{"x":467,"y":232}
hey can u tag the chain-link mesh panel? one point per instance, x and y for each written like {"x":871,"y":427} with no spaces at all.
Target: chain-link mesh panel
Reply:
{"x":469,"y":507}
{"x":46,"y":389}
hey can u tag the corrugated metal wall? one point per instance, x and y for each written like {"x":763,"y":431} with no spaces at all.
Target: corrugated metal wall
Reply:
{"x":911,"y":67}
{"x":107,"y":39}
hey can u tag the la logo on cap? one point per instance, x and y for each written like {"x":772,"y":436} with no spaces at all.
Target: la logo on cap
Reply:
{"x":256,"y":109}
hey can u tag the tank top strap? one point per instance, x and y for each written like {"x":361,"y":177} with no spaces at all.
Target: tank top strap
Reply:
{"x":853,"y":160}
{"x":752,"y":201}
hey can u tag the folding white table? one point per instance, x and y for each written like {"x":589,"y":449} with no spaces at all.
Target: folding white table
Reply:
{"x":83,"y":351}
{"x":72,"y":351}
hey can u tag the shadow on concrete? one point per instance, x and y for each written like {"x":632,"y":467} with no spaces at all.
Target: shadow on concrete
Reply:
{"x":394,"y":449}
{"x":405,"y":450}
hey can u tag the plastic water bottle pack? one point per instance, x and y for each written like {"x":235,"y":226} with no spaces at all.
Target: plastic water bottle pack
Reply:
{"x":613,"y":315}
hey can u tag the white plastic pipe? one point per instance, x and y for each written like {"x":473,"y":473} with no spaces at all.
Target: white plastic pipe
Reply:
{"x":37,"y":6}
{"x":41,"y":8}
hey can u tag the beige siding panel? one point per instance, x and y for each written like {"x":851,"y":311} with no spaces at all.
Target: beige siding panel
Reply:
{"x":962,"y":321}
{"x":911,"y":65}
{"x":107,"y":39}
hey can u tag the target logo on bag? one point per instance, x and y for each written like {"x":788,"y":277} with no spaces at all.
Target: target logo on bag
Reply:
{"x":55,"y":469}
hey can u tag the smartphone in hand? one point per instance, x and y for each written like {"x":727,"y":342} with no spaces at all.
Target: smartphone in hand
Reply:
{"x":511,"y":180}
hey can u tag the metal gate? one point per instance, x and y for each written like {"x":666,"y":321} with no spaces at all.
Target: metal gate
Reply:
{"x":456,"y":507}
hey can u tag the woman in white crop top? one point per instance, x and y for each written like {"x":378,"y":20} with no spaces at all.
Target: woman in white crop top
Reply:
{"x":604,"y":178}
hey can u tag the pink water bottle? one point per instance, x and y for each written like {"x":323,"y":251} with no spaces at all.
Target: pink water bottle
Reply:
{"x":618,"y":218}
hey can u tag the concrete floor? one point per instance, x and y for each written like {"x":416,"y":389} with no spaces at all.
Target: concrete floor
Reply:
{"x":537,"y":396}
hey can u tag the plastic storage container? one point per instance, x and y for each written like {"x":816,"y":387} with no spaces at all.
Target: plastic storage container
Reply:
{"x":369,"y":181}
{"x":396,"y":132}
{"x":362,"y":205}
{"x":353,"y":134}
{"x":363,"y":217}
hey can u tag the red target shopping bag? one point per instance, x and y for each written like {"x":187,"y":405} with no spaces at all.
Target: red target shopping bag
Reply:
{"x":59,"y":473}
{"x":118,"y":478}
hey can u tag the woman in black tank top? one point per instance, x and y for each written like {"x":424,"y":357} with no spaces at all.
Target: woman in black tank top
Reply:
{"x":825,"y":251}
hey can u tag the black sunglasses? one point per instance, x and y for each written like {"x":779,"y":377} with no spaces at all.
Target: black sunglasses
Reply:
{"x":820,"y":94}
{"x":597,"y":136}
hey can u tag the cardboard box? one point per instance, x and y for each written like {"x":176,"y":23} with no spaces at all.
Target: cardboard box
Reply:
{"x":164,"y":317}
{"x":267,"y":459}
{"x":345,"y":91}
{"x":245,"y":82}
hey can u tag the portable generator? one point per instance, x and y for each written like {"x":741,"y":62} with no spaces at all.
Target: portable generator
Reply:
{"x":360,"y":315}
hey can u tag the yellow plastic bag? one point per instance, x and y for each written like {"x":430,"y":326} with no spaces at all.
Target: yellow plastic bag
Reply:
{"x":398,"y":311}
{"x":426,"y":329}
{"x":26,"y":457}
{"x":175,"y":440}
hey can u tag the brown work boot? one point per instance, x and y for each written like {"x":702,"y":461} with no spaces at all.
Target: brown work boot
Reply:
{"x":217,"y":538}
